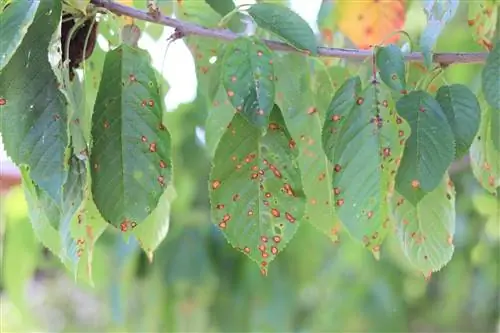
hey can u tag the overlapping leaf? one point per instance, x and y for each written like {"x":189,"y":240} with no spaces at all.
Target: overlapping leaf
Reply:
{"x":131,"y":154}
{"x":429,"y":150}
{"x":426,"y":230}
{"x":364,"y":145}
{"x":14,"y":24}
{"x":462,"y":110}
{"x":439,"y":13}
{"x":255,"y":188}
{"x":285,"y":23}
{"x":325,"y":82}
{"x":481,"y":19}
{"x":484,"y":156}
{"x":219,"y":116}
{"x":390,"y":62}
{"x":248,"y":76}
{"x":32,"y":109}
{"x":491,"y":78}
{"x":295,"y":97}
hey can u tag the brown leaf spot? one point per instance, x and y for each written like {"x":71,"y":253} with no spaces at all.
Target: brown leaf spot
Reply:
{"x":275,"y":212}
{"x":152,"y":147}
{"x":216,"y":184}
{"x":290,"y":218}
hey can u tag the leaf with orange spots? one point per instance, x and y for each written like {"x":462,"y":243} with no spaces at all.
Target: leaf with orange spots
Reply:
{"x":481,"y":18}
{"x":248,"y":76}
{"x":429,"y":150}
{"x":364,"y":150}
{"x":484,"y":156}
{"x":425,"y":230}
{"x":207,"y":54}
{"x":294,"y":94}
{"x":390,"y":62}
{"x":131,"y":154}
{"x":371,"y":22}
{"x":255,"y":188}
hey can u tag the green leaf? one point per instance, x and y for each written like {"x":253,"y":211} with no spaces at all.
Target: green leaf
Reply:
{"x":294,"y":94}
{"x":429,"y":150}
{"x":32,"y":110}
{"x":219,"y":116}
{"x":14,"y":24}
{"x":365,"y":157}
{"x":495,"y":129}
{"x":285,"y":23}
{"x":390,"y":62}
{"x":438,"y":13}
{"x":224,"y":7}
{"x":248,"y":77}
{"x":131,"y":155}
{"x":491,"y":77}
{"x":255,"y":188}
{"x":196,"y":11}
{"x":79,"y":5}
{"x":484,"y":157}
{"x":462,"y":110}
{"x":151,"y":232}
{"x":426,"y":230}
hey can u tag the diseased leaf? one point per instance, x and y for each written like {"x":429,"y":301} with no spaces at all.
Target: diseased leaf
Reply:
{"x":285,"y":23}
{"x":224,"y":7}
{"x":429,"y":150}
{"x":390,"y":62}
{"x":33,"y":116}
{"x":462,"y":110}
{"x":439,"y":13}
{"x":131,"y":153}
{"x":219,"y":116}
{"x":426,"y":230}
{"x":248,"y":77}
{"x":295,"y":97}
{"x":482,"y":16}
{"x":255,"y":188}
{"x":14,"y":23}
{"x":197,"y":11}
{"x":325,"y":83}
{"x":365,"y":155}
{"x":491,"y":78}
{"x":484,"y":157}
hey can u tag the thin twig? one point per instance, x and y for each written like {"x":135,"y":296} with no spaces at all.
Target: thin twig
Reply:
{"x":188,"y":28}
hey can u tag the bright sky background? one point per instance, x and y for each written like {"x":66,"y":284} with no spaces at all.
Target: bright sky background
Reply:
{"x":178,"y":63}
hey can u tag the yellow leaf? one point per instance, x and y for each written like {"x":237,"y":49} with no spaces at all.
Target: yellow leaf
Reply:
{"x":130,"y":3}
{"x":369,"y":22}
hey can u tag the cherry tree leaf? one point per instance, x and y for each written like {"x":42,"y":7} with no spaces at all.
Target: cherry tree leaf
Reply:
{"x":491,"y":78}
{"x":481,"y":18}
{"x":429,"y":150}
{"x":285,"y":23}
{"x":131,"y":153}
{"x":462,"y":110}
{"x":297,"y":100}
{"x":484,"y":156}
{"x":33,"y":111}
{"x":248,"y":77}
{"x":14,"y":23}
{"x":219,"y":116}
{"x":390,"y":62}
{"x":255,"y":188}
{"x":425,"y":230}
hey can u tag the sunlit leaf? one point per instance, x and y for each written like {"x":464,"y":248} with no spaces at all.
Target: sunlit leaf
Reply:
{"x":426,"y":230}
{"x":248,"y":77}
{"x":297,"y":100}
{"x":429,"y":150}
{"x":462,"y":110}
{"x":32,"y":109}
{"x":131,"y":153}
{"x":14,"y":23}
{"x":255,"y":188}
{"x":285,"y":23}
{"x":371,"y":22}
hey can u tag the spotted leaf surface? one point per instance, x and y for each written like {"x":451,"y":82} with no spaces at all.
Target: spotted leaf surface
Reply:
{"x":325,"y":83}
{"x":219,"y":116}
{"x":248,"y":77}
{"x":491,"y":78}
{"x":429,"y":150}
{"x":364,"y":164}
{"x":481,"y":20}
{"x":425,"y":230}
{"x":208,"y":72}
{"x":484,"y":156}
{"x":297,"y":100}
{"x":462,"y":110}
{"x":390,"y":62}
{"x":14,"y":23}
{"x":255,"y":188}
{"x":285,"y":23}
{"x":438,"y":13}
{"x":33,"y":111}
{"x":131,"y":153}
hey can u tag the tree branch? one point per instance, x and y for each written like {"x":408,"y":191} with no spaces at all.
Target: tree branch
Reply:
{"x":187,"y":28}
